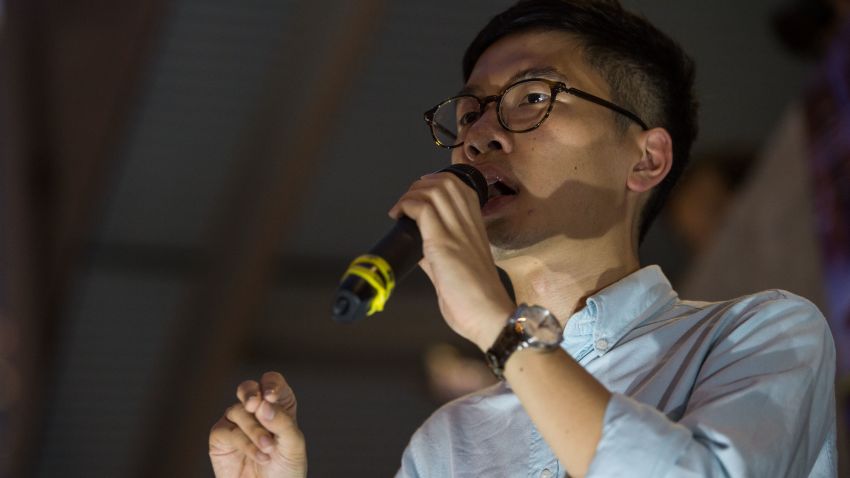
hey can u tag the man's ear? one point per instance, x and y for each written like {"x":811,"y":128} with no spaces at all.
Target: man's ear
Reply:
{"x":655,"y":163}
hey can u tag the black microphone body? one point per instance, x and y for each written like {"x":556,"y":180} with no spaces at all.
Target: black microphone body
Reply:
{"x":401,"y":251}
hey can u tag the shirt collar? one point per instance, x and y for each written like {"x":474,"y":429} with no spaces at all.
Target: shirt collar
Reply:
{"x":615,"y":310}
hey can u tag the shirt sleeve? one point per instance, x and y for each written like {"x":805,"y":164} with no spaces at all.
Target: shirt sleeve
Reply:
{"x":412,"y":462}
{"x":762,"y":406}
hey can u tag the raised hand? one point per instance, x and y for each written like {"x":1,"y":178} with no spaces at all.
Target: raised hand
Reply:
{"x":258,"y":436}
{"x":457,"y":256}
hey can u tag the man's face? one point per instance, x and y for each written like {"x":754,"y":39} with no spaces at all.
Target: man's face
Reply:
{"x":570,"y":173}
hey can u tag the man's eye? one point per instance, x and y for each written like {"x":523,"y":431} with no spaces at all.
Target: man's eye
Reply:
{"x":534,"y":98}
{"x":468,"y":118}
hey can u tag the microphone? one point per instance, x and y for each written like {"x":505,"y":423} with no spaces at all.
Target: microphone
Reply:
{"x":367,"y":284}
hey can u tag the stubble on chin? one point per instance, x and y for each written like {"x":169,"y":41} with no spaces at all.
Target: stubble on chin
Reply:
{"x":506,"y":239}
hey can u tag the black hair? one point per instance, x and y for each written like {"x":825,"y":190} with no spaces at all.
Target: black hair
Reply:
{"x":647,"y":71}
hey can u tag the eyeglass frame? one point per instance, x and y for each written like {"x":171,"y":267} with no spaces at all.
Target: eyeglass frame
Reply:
{"x":555,"y":88}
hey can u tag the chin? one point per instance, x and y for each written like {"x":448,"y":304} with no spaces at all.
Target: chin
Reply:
{"x":507,"y":239}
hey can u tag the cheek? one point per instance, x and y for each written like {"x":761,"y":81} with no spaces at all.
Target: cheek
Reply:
{"x":598,"y":162}
{"x":559,"y":160}
{"x":457,"y":155}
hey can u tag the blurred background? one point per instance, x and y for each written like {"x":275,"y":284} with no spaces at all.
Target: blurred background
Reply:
{"x":184,"y":181}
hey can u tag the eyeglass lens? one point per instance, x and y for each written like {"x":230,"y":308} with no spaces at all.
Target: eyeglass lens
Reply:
{"x":523,"y":105}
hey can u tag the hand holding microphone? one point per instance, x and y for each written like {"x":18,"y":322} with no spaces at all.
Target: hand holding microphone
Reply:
{"x":371,"y":278}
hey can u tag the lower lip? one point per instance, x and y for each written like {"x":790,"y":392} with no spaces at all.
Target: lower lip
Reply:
{"x":496,"y":204}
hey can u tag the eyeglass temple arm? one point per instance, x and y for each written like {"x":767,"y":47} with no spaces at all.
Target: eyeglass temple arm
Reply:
{"x":609,"y":105}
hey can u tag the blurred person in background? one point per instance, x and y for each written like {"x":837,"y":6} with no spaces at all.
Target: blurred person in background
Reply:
{"x":699,"y":204}
{"x":581,"y":116}
{"x":790,"y":226}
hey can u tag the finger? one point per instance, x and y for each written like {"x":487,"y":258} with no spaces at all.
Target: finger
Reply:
{"x":403,"y":207}
{"x":248,"y":392}
{"x":273,"y":384}
{"x":251,"y":427}
{"x":458,"y":198}
{"x":417,"y":192}
{"x":465,"y":210}
{"x":424,"y":184}
{"x":428,"y":219}
{"x":226,"y":437}
{"x":457,"y":189}
{"x":284,"y":398}
{"x":276,"y":418}
{"x":452,"y":200}
{"x":445,"y":209}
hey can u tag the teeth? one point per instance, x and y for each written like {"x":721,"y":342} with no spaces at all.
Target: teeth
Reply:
{"x":499,"y":189}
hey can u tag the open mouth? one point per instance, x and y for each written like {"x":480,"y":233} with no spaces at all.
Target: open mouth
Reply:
{"x":498,"y":188}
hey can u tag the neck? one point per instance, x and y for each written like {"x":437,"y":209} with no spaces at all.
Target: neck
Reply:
{"x":561,"y":277}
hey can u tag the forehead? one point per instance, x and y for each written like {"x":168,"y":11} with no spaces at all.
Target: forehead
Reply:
{"x":534,"y":50}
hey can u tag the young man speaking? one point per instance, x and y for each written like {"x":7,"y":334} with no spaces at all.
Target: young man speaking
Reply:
{"x":581,"y":117}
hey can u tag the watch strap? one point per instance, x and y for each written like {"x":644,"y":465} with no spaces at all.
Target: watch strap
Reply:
{"x":509,"y":341}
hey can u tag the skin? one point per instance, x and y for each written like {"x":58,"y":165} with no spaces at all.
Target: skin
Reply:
{"x":570,"y":231}
{"x":258,"y":436}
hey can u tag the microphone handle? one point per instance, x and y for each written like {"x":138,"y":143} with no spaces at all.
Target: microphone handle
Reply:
{"x":401,"y":247}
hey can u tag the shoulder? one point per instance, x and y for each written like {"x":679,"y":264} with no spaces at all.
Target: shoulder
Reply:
{"x":774,"y":307}
{"x":769,"y":322}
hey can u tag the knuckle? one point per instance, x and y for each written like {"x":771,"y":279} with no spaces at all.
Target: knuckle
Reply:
{"x":256,"y":432}
{"x":226,"y":434}
{"x":429,"y":213}
{"x":271,"y":380}
{"x":244,"y":444}
{"x":233,"y":411}
{"x":219,"y":429}
{"x":245,"y":389}
{"x":451,"y":182}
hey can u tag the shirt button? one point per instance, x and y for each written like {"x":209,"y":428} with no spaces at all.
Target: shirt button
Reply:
{"x":546,"y":473}
{"x":602,"y":344}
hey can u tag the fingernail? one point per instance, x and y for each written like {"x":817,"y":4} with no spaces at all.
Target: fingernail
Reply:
{"x":262,"y":457}
{"x":268,"y":411}
{"x":266,"y":443}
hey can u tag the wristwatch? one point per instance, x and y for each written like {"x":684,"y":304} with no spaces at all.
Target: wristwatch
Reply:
{"x":529,"y":326}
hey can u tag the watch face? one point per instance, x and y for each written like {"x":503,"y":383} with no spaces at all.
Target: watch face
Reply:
{"x":540,"y":326}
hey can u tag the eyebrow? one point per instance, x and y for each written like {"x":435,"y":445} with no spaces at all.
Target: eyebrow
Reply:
{"x":546,"y":72}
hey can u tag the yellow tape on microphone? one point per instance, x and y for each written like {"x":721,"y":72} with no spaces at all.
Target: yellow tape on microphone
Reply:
{"x":377,"y":273}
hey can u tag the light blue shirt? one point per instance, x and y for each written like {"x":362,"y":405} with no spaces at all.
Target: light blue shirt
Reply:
{"x":742,"y":388}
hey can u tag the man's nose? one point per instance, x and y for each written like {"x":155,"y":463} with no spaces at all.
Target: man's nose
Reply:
{"x":486,"y":135}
